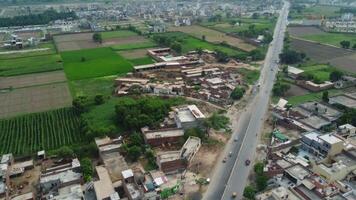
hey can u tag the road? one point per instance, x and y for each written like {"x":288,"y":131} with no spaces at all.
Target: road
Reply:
{"x":232,"y":176}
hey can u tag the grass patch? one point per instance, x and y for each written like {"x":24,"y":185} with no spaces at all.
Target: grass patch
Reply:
{"x":249,"y":76}
{"x":315,"y":96}
{"x":93,"y":86}
{"x":320,"y":72}
{"x":316,"y":11}
{"x":117,"y":34}
{"x":331,"y":38}
{"x":141,"y":61}
{"x":90,"y":63}
{"x":131,"y":46}
{"x":28,"y":65}
{"x":229,"y":27}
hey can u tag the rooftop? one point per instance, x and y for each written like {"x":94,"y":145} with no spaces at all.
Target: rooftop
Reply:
{"x":103,"y":187}
{"x":329,"y":138}
{"x":64,"y":177}
{"x":214,"y":81}
{"x":343,"y":100}
{"x":161,"y":133}
{"x":298,"y":171}
{"x":190,"y":146}
{"x":189,"y":113}
{"x":294,"y":70}
{"x":72,"y":192}
{"x":127,"y":173}
{"x":133,"y":190}
{"x":168,"y":156}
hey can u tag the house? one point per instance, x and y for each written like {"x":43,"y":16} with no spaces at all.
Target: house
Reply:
{"x":162,"y":136}
{"x":294,"y":72}
{"x":132,"y":190}
{"x":321,"y":145}
{"x":279,"y":193}
{"x":346,"y":130}
{"x":104,"y":188}
{"x":347,"y":100}
{"x":296,"y":174}
{"x":175,"y":161}
{"x":188,"y":117}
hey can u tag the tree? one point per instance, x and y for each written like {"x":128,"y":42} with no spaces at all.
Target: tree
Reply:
{"x":349,"y":117}
{"x":65,"y":152}
{"x":80,"y":104}
{"x":221,"y":56}
{"x":134,"y":152}
{"x":354,"y":46}
{"x":99,"y":99}
{"x":325,"y":96}
{"x":291,"y":57}
{"x":258,"y":168}
{"x":199,"y":51}
{"x":261,"y":182}
{"x":136,"y":139}
{"x":217,"y":121}
{"x":82,"y":59}
{"x":279,"y":89}
{"x":335,"y":76}
{"x":249,"y":192}
{"x":345,"y":44}
{"x":237,"y":93}
{"x":256,"y":54}
{"x":177,"y":47}
{"x":196,"y":132}
{"x":97,"y":38}
{"x":203,"y":37}
{"x":87,"y":169}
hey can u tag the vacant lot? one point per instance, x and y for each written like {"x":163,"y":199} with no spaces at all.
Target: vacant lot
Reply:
{"x":214,"y":36}
{"x":317,"y":12}
{"x":132,"y":54}
{"x":80,"y":41}
{"x":34,"y":99}
{"x":90,"y":63}
{"x":32,"y":79}
{"x":340,"y":58}
{"x":27,"y":65}
{"x":136,"y":43}
{"x":301,"y":31}
{"x":41,"y":131}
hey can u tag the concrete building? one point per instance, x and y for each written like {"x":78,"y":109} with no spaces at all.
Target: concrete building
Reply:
{"x":132,"y":190}
{"x":279,"y":193}
{"x":346,"y":130}
{"x":104,"y":189}
{"x":188,"y":117}
{"x":294,"y":72}
{"x":296,"y":174}
{"x":321,"y":145}
{"x":162,"y":136}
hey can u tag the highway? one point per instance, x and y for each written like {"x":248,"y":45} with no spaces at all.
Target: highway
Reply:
{"x":232,"y":176}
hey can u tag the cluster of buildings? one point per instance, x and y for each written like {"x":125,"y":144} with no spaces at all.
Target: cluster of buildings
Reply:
{"x":345,"y":24}
{"x":16,"y":42}
{"x":186,"y":77}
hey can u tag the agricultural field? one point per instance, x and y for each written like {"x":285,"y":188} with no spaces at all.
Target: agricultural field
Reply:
{"x":78,"y":41}
{"x":141,"y":61}
{"x":316,"y":12}
{"x":92,"y":86}
{"x":132,"y":54}
{"x":240,"y":24}
{"x":313,"y":96}
{"x":320,"y":72}
{"x":132,"y":46}
{"x":27,"y":65}
{"x":19,"y":101}
{"x":341,"y":59}
{"x":302,"y":31}
{"x":41,"y":131}
{"x":214,"y":36}
{"x":190,"y":43}
{"x":90,"y":63}
{"x":45,"y":48}
{"x":249,"y":76}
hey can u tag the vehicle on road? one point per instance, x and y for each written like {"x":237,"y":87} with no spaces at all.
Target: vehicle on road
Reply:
{"x":247,"y":162}
{"x":234,"y":195}
{"x":230,"y":153}
{"x":224,"y":160}
{"x":235,"y":139}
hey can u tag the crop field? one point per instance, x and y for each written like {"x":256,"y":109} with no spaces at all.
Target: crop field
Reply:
{"x":214,"y":36}
{"x":90,"y":63}
{"x":132,"y":46}
{"x":93,"y":86}
{"x":27,"y":65}
{"x":70,"y":42}
{"x":321,"y":72}
{"x":301,"y":31}
{"x":141,"y":61}
{"x":190,"y":43}
{"x":316,"y":11}
{"x":40,"y":98}
{"x":339,"y":58}
{"x":132,"y":54}
{"x":42,"y":49}
{"x":331,"y":38}
{"x":40,"y":131}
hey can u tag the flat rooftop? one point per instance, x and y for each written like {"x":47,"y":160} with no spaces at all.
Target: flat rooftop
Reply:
{"x":315,"y":122}
{"x":321,"y":109}
{"x":168,"y":156}
{"x":151,"y":134}
{"x":190,"y":146}
{"x":103,"y":187}
{"x":189,"y":113}
{"x":329,"y":138}
{"x":115,"y":163}
{"x":64,"y":177}
{"x":298,"y":171}
{"x":343,"y":100}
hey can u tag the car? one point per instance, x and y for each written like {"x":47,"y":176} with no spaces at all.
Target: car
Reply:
{"x":247,"y":162}
{"x":234,"y":195}
{"x":230,"y":153}
{"x":236,"y":138}
{"x":224,"y":160}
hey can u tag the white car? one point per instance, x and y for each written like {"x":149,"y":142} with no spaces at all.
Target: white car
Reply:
{"x":236,"y":138}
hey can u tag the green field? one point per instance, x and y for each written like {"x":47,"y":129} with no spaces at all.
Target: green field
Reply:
{"x":315,"y":96}
{"x":332,"y":38}
{"x":190,"y":43}
{"x":49,"y":45}
{"x":27,"y":65}
{"x":90,"y":63}
{"x":141,"y":61}
{"x":321,"y":72}
{"x":249,"y":76}
{"x":117,"y":34}
{"x":315,"y":11}
{"x":92,"y":86}
{"x":30,"y":133}
{"x":132,"y":46}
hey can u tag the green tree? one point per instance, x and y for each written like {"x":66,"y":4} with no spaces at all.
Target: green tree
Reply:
{"x":256,"y":55}
{"x":136,"y":139}
{"x":65,"y":152}
{"x":237,"y":93}
{"x":335,"y":76}
{"x":87,"y":169}
{"x":349,"y":117}
{"x":203,"y":37}
{"x":279,"y":89}
{"x":291,"y":56}
{"x":97,"y":38}
{"x":199,"y":51}
{"x":345,"y":44}
{"x":258,"y":168}
{"x":196,"y":132}
{"x":249,"y":192}
{"x":177,"y":47}
{"x":134,"y":152}
{"x":99,"y":99}
{"x":221,"y":56}
{"x":325,"y":96}
{"x":354,"y":46}
{"x":217,"y":121}
{"x":261,"y":182}
{"x":80,"y":104}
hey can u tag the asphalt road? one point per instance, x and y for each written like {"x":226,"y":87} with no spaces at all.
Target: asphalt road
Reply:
{"x":232,"y":176}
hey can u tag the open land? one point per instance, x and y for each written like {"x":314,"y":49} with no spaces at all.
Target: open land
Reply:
{"x":214,"y":36}
{"x":132,"y":54}
{"x":90,"y":63}
{"x":316,"y":11}
{"x":45,"y":48}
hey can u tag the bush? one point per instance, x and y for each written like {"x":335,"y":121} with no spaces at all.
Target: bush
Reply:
{"x":249,"y":192}
{"x":237,"y":93}
{"x":99,"y":99}
{"x":134,"y":152}
{"x":64,"y":152}
{"x":258,"y":168}
{"x":80,"y":104}
{"x":97,"y":38}
{"x":279,"y":89}
{"x":217,"y":121}
{"x":336,"y":76}
{"x":87,"y":169}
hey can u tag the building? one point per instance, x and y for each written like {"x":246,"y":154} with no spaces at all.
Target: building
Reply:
{"x":132,"y":190}
{"x":296,"y":174}
{"x":321,"y":145}
{"x":188,"y":117}
{"x":346,"y":130}
{"x":294,"y":72}
{"x":162,"y":136}
{"x":279,"y":193}
{"x":347,"y":100}
{"x":104,"y":189}
{"x":175,"y":161}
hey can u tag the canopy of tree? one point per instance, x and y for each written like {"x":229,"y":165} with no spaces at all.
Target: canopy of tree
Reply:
{"x":279,"y":89}
{"x":237,"y":93}
{"x":36,"y":19}
{"x":291,"y":56}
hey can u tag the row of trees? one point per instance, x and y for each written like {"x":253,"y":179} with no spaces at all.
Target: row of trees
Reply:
{"x":347,"y":44}
{"x":174,"y":43}
{"x":260,"y":182}
{"x":37,"y":19}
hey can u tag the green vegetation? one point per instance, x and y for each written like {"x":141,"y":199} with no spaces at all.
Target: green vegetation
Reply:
{"x":291,"y":57}
{"x":117,"y":34}
{"x":49,"y":45}
{"x":90,"y":63}
{"x":87,"y":169}
{"x":249,"y":192}
{"x":249,"y":76}
{"x":321,"y":73}
{"x":317,"y":11}
{"x":217,"y":121}
{"x":349,"y":117}
{"x":97,"y":37}
{"x":316,"y":96}
{"x":131,"y":46}
{"x":92,"y":86}
{"x":332,"y":38}
{"x":141,"y":61}
{"x":237,"y":93}
{"x":27,"y":65}
{"x":48,"y":130}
